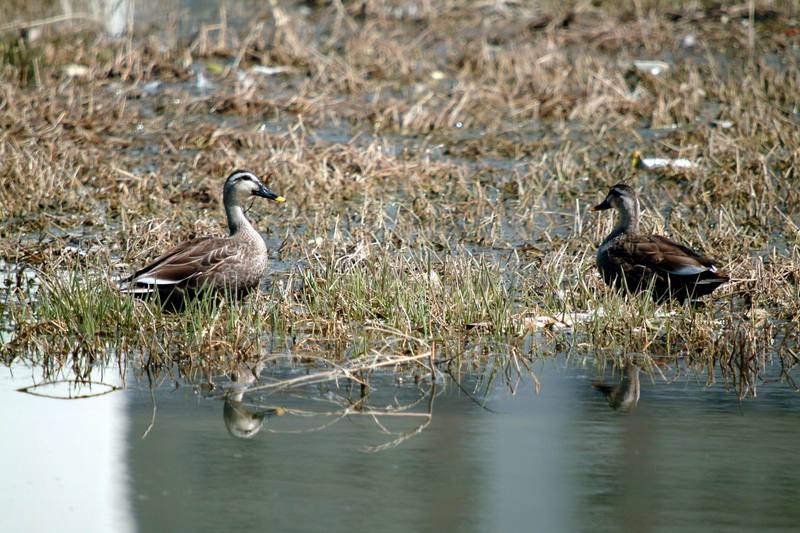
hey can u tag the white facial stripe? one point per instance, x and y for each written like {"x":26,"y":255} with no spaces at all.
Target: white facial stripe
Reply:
{"x":244,"y":175}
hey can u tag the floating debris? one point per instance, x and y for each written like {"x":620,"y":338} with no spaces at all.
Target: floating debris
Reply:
{"x":151,"y":88}
{"x":215,"y":67}
{"x":566,"y":321}
{"x":67,"y":389}
{"x":76,"y":71}
{"x":265,"y":70}
{"x":651,"y":67}
{"x":202,"y":82}
{"x":651,"y":163}
{"x":245,"y":80}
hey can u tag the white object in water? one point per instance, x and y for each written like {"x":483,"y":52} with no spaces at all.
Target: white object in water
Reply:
{"x":202,"y":82}
{"x":265,"y":70}
{"x":151,"y":88}
{"x":663,"y":162}
{"x":689,"y":40}
{"x":76,"y":71}
{"x":651,"y":66}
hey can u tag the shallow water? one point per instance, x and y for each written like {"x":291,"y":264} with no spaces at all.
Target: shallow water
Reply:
{"x":687,"y":457}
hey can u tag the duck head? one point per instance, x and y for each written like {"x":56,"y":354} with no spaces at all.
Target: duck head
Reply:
{"x":242,"y":184}
{"x":621,"y":197}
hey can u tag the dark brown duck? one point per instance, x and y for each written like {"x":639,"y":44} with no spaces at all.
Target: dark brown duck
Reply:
{"x":234,"y":264}
{"x":634,"y":261}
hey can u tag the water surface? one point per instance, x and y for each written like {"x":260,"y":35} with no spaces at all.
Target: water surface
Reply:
{"x":686,"y":457}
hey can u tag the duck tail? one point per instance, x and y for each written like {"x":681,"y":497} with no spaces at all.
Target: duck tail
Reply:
{"x":713,"y":276}
{"x":129,"y":286}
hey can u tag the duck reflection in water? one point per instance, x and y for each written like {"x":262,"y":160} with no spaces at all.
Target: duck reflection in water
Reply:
{"x":622,"y":396}
{"x":327,"y":396}
{"x":243,"y":420}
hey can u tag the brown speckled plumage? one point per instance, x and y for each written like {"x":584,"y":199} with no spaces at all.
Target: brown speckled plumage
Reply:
{"x":635,"y":261}
{"x":234,"y":264}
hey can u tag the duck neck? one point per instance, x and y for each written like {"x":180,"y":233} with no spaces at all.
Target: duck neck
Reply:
{"x":628,"y":219}
{"x":237,"y":221}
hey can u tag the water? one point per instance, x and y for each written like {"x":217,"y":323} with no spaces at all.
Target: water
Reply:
{"x":686,"y":457}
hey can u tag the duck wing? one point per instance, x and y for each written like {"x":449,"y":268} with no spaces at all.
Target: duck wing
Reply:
{"x":188,"y":263}
{"x":660,"y":254}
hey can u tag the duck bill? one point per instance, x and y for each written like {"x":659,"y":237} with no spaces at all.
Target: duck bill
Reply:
{"x":602,"y":206}
{"x":263,"y":192}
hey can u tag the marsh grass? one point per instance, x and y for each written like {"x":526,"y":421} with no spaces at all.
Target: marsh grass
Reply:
{"x":73,"y":313}
{"x":436,"y":181}
{"x":82,"y":314}
{"x":418,"y":295}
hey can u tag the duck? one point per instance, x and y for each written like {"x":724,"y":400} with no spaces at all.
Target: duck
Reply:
{"x":244,"y":420}
{"x":622,"y":396}
{"x":232,"y":265}
{"x":635,"y":261}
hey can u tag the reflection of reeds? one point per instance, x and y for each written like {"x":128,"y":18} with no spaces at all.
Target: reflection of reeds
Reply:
{"x":247,"y":413}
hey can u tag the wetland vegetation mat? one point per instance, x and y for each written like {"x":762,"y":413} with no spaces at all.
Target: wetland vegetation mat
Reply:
{"x":438,"y":160}
{"x":432,"y":347}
